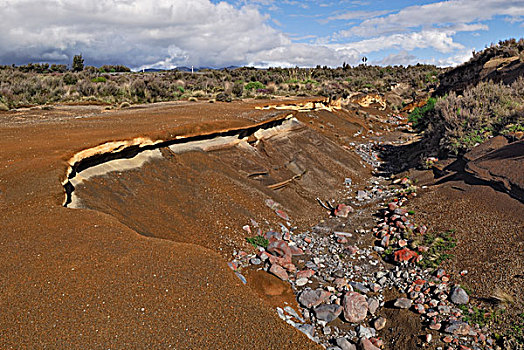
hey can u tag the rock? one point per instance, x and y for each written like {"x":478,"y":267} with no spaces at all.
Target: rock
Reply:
{"x":435,"y":326}
{"x":344,"y":344}
{"x":307,"y":329}
{"x":327,"y":312}
{"x":459,"y":296}
{"x":403,"y":303}
{"x":326,"y":330}
{"x":366,"y":344}
{"x":310,"y":298}
{"x":359,"y":286}
{"x":296,"y":250}
{"x":458,"y":328}
{"x":365,"y":332}
{"x":429,"y":337}
{"x":255,"y":261}
{"x":280,"y":249}
{"x":379,"y":323}
{"x":241,"y":277}
{"x":405,"y":254}
{"x":282,"y":214}
{"x":355,"y":307}
{"x":305,"y":273}
{"x":373,"y":305}
{"x":343,"y":210}
{"x":301,"y":282}
{"x":420,"y":309}
{"x":279,"y":272}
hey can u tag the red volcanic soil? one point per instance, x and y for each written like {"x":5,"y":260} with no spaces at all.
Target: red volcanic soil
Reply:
{"x":79,"y":278}
{"x":147,"y":267}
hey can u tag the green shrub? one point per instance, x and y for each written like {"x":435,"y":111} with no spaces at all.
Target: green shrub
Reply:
{"x":258,"y":241}
{"x":99,"y":80}
{"x":254,"y":85}
{"x":418,"y":117}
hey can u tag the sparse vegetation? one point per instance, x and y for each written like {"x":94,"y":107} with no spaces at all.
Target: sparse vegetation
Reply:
{"x":438,"y":245}
{"x":36,"y":84}
{"x":458,"y":123}
{"x":258,"y":241}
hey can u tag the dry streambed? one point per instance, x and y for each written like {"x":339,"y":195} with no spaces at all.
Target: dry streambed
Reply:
{"x":354,"y":273}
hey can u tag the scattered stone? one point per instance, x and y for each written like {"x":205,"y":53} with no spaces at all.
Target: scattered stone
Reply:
{"x":429,"y":337}
{"x":307,"y":329}
{"x":344,"y":344}
{"x":366,"y":344}
{"x":458,"y":328}
{"x":255,"y":261}
{"x":365,"y":332}
{"x":310,"y":298}
{"x":279,"y":272}
{"x":305,"y":273}
{"x":435,"y":326}
{"x":282,"y":214}
{"x":280,"y":249}
{"x":355,"y":307}
{"x":405,"y":255}
{"x":459,"y":296}
{"x":379,"y":323}
{"x":373,"y":305}
{"x":241,"y":277}
{"x":343,"y":210}
{"x":327,"y":312}
{"x":301,"y":282}
{"x":403,"y":303}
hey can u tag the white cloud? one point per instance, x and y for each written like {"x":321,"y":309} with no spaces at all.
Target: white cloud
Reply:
{"x":142,"y":33}
{"x":452,"y":12}
{"x":403,"y":58}
{"x":355,"y":15}
{"x":440,"y":41}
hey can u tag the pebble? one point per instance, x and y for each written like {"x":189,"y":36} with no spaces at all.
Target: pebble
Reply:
{"x":379,"y":323}
{"x":301,"y":282}
{"x":365,"y":332}
{"x":279,"y":272}
{"x":459,"y":296}
{"x":344,"y":344}
{"x":403,"y":303}
{"x":366,"y":344}
{"x":373,"y":305}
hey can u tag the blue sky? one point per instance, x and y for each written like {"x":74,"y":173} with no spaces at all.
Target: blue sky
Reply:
{"x":262,"y":33}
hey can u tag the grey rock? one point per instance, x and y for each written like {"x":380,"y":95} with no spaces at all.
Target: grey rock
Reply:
{"x":373,"y":305}
{"x":327,"y":312}
{"x":458,"y":328}
{"x":365,"y":332}
{"x":403,"y":303}
{"x":459,"y":296}
{"x":344,"y":344}
{"x":307,"y":329}
{"x":359,"y":286}
{"x":310,"y":298}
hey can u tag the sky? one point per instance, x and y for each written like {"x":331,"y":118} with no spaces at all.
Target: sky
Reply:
{"x":260,"y":33}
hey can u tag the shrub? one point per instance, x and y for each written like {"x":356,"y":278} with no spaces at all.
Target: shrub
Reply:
{"x":254,"y":85}
{"x":418,"y":117}
{"x":70,"y":79}
{"x":99,"y":80}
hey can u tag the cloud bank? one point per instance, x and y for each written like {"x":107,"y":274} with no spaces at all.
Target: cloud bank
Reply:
{"x":142,"y":33}
{"x":171,"y":33}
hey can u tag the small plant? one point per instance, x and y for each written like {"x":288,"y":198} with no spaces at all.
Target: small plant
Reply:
{"x":99,"y":80}
{"x":418,"y":117}
{"x":254,"y":85}
{"x":438,"y":245}
{"x":258,"y":241}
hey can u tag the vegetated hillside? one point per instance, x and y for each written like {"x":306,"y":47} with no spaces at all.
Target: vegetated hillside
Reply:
{"x":498,"y":63}
{"x":483,"y":98}
{"x":38,"y":84}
